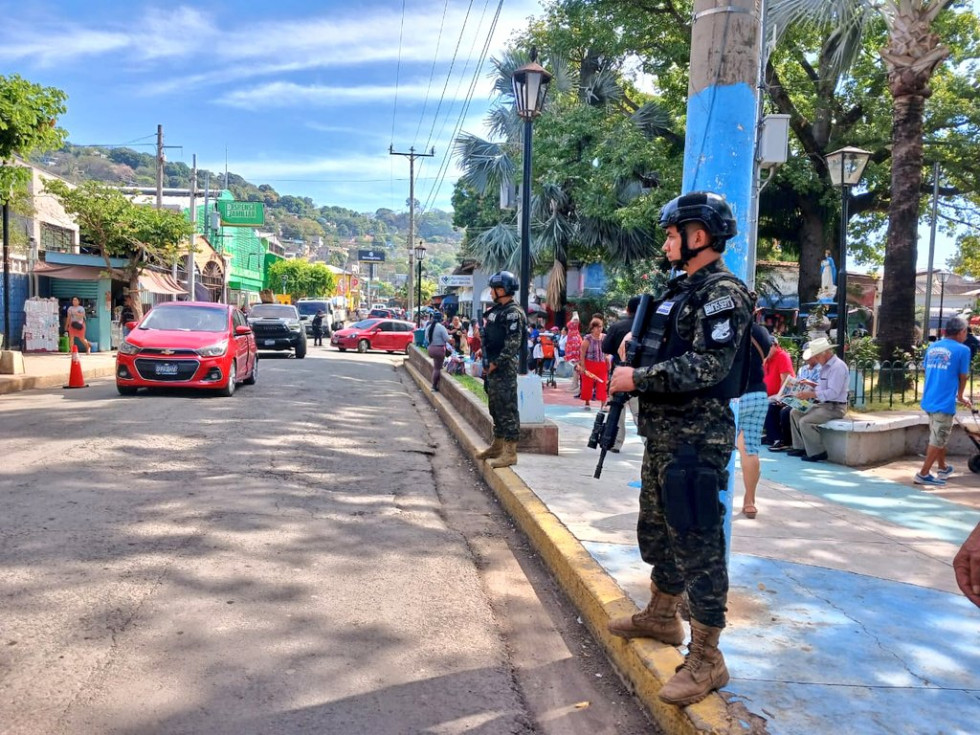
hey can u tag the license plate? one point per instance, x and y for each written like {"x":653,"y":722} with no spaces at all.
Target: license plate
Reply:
{"x":270,"y":342}
{"x":165,"y":368}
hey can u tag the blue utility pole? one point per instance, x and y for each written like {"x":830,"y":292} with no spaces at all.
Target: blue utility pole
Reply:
{"x":722,"y":110}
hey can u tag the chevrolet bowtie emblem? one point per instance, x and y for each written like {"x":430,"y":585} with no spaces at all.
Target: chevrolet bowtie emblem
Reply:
{"x":167,"y":352}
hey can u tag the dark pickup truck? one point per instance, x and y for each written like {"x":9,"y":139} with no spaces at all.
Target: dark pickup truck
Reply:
{"x":278,"y":327}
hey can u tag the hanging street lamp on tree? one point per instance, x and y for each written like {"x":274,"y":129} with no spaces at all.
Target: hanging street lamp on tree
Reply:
{"x":530,"y":89}
{"x":845,"y":166}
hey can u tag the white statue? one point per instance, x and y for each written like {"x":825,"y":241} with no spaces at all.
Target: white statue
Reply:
{"x":828,"y":278}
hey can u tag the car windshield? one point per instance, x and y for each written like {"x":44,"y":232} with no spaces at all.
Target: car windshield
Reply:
{"x":272,"y":311}
{"x":366,"y":324}
{"x":310,"y":308}
{"x":186,"y":319}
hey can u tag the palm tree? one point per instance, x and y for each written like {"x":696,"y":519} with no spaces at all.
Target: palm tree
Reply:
{"x":911,"y":56}
{"x":557,"y":226}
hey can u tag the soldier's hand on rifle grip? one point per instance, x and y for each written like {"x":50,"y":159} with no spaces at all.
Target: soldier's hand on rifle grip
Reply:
{"x":622,"y":380}
{"x":622,"y":347}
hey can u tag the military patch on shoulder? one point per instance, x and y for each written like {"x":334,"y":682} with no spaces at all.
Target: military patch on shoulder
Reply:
{"x":722,"y":331}
{"x":511,"y":316}
{"x":725,"y":303}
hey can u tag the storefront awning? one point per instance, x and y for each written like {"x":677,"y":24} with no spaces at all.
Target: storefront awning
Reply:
{"x":73,"y":272}
{"x":161,"y":283}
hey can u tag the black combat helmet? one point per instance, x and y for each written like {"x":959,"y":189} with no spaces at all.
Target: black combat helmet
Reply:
{"x":706,"y":207}
{"x":505,"y":280}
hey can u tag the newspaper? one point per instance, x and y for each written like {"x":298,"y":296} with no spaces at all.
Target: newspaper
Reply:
{"x":788,"y":390}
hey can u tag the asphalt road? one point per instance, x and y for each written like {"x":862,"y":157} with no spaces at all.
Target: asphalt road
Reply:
{"x":310,"y":555}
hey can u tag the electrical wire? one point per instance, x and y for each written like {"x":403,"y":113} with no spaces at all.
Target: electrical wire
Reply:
{"x":449,"y":75}
{"x":432,"y":72}
{"x":444,"y":166}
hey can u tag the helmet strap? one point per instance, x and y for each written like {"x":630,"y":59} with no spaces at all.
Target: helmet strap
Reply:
{"x":687,"y":254}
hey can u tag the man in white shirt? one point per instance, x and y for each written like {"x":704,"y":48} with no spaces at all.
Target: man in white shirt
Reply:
{"x":829,"y":402}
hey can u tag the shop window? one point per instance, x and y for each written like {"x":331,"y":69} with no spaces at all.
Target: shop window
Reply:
{"x":57,"y":239}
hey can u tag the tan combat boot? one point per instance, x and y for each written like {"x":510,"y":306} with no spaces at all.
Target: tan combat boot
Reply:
{"x":703,"y":669}
{"x":493,"y":450}
{"x":508,"y":455}
{"x":658,"y":620}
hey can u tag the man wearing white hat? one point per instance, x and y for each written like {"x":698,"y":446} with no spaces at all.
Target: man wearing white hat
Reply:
{"x":829,"y":402}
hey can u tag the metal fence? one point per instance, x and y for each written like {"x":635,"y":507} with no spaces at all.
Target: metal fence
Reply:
{"x":892,"y":383}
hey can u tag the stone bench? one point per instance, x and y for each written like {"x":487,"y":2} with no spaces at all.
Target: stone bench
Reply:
{"x":541,"y":438}
{"x":861,"y":439}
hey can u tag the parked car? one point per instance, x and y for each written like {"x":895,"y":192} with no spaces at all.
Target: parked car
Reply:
{"x":391,"y":335}
{"x":278,"y":327}
{"x":187,"y":344}
{"x":307,"y":310}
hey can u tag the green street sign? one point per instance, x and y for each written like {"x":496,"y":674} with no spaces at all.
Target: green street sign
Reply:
{"x":241,"y":214}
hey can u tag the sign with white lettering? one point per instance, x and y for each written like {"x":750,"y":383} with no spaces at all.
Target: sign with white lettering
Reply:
{"x":371,"y":256}
{"x":455,"y":281}
{"x":241,"y":214}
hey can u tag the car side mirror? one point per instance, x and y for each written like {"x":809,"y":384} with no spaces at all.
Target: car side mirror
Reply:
{"x":241,"y":329}
{"x":131,"y":325}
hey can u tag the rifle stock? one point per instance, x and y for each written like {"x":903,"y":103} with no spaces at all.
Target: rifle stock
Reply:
{"x":609,"y":429}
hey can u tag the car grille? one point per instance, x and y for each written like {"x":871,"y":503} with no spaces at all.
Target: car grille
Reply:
{"x":271,"y":330}
{"x":166,"y":370}
{"x":168,"y":352}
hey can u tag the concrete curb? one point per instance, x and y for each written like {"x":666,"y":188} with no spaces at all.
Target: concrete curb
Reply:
{"x":645,"y":665}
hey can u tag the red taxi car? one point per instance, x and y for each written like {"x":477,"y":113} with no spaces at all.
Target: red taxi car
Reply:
{"x":188,"y":344}
{"x":391,"y":335}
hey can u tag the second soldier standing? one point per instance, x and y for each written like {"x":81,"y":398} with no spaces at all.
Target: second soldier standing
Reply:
{"x":504,"y":335}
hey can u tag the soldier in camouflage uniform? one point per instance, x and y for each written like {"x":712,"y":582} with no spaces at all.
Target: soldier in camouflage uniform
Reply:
{"x":697,"y":362}
{"x":505,"y":334}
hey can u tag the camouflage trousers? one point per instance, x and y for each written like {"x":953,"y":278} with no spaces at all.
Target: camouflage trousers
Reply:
{"x":501,"y":387}
{"x":692,"y":561}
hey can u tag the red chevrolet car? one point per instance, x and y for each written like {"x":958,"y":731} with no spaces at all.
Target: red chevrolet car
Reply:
{"x":391,"y":335}
{"x":187,"y":344}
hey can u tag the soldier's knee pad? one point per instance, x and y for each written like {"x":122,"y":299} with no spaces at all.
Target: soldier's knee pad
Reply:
{"x":690,"y":494}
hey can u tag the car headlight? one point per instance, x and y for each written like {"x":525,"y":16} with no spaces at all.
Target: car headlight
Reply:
{"x":295,"y":327}
{"x":352,"y":335}
{"x":215,"y":350}
{"x":128,"y":348}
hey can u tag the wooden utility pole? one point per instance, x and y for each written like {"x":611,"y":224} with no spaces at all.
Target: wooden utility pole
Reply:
{"x":411,"y":155}
{"x":160,"y":161}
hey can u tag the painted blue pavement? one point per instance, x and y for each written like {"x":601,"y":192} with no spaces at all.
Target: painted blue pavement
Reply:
{"x":815,"y":649}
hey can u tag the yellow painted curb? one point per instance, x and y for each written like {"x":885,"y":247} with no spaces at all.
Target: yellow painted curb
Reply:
{"x":645,"y":664}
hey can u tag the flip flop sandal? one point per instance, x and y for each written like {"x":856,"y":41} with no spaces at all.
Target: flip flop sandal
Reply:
{"x":749,"y":511}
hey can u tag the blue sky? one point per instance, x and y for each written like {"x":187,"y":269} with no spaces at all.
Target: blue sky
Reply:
{"x":306,"y":96}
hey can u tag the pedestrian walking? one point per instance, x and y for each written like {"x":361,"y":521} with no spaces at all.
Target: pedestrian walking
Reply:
{"x":573,"y":350}
{"x":752,"y":407}
{"x":75,"y":324}
{"x":701,"y":324}
{"x":437,"y":337}
{"x":610,"y":346}
{"x":947,"y":364}
{"x":829,"y":402}
{"x":317,"y":324}
{"x":593,"y":366}
{"x":504,"y":334}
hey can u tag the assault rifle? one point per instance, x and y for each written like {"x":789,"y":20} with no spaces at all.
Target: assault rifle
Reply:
{"x":606,"y":425}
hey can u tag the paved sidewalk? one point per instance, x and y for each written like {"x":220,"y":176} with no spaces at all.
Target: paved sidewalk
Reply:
{"x":50,"y":370}
{"x":843,"y":612}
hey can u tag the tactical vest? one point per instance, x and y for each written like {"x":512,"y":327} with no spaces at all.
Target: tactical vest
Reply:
{"x":495,"y":331}
{"x":662,"y":341}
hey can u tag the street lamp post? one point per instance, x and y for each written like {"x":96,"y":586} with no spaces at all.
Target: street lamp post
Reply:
{"x":845,"y":166}
{"x":943,"y":277}
{"x":419,"y":257}
{"x":530,"y":89}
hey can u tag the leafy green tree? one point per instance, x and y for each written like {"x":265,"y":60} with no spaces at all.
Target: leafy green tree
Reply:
{"x":117,"y":228}
{"x":302,"y":279}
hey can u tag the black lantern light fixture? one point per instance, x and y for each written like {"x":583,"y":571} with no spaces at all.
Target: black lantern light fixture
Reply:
{"x":530,"y":89}
{"x":845,"y":166}
{"x":419,"y":257}
{"x":943,"y":277}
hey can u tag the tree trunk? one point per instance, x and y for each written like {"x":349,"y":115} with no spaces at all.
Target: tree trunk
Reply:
{"x":812,"y":244}
{"x":896,"y":318}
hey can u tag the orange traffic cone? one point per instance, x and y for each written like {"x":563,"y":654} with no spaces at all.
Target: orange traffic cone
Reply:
{"x":75,"y":377}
